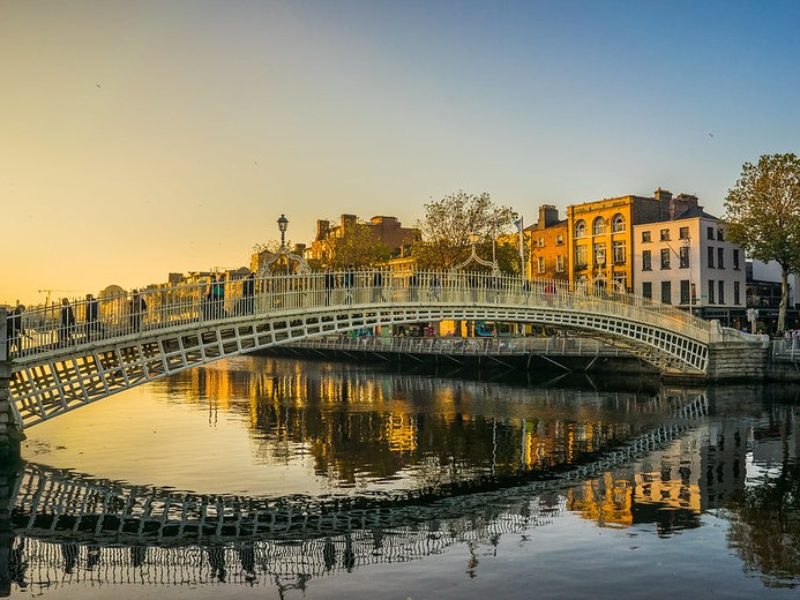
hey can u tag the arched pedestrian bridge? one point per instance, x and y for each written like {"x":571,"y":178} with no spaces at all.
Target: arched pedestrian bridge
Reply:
{"x":59,"y":365}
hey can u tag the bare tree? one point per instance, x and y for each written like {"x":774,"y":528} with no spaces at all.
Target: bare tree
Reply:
{"x":450,"y":224}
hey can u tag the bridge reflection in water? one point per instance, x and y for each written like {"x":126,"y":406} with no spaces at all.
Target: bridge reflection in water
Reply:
{"x":416,"y":466}
{"x":78,"y":530}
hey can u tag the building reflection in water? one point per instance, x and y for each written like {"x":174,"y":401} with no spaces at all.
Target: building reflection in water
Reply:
{"x":417,"y":465}
{"x":364,"y":428}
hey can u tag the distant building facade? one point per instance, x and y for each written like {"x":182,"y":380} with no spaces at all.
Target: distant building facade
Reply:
{"x":662,"y":247}
{"x":388,"y":230}
{"x":548,"y":246}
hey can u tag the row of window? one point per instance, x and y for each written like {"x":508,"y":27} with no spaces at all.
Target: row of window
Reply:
{"x":599,"y":226}
{"x":716,"y":292}
{"x":618,"y":254}
{"x":618,"y":225}
{"x":716,"y":257}
{"x":559,"y":241}
{"x":683,"y":234}
{"x":683,"y":257}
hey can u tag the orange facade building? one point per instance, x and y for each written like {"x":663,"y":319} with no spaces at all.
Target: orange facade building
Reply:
{"x":600,"y":235}
{"x":548,"y":249}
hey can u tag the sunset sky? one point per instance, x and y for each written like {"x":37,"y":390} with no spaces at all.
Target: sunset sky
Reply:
{"x":143,"y":137}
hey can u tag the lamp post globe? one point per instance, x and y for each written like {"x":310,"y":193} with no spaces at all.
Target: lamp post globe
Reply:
{"x":283,"y":224}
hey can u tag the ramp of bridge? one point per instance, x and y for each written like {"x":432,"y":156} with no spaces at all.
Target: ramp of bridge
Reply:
{"x":63,"y":362}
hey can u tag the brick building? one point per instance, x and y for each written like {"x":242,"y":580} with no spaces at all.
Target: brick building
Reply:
{"x":388,"y":230}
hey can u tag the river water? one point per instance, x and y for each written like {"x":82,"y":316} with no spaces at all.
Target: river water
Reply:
{"x":273,"y":478}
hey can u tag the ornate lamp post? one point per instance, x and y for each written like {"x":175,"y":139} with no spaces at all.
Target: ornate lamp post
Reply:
{"x":302,"y":265}
{"x":283,"y":224}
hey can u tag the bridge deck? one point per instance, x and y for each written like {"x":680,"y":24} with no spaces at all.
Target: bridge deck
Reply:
{"x":50,"y":329}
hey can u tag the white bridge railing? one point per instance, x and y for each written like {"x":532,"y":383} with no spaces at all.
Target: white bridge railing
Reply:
{"x":78,"y":323}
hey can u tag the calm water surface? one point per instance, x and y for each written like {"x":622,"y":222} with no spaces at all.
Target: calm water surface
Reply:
{"x":265,"y":478}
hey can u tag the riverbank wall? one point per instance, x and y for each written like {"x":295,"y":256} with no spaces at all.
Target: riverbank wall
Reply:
{"x":730,"y":361}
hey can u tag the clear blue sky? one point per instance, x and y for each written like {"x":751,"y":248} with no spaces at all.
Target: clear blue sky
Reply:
{"x":138,"y":138}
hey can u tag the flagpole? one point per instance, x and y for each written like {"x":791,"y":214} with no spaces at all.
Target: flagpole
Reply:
{"x":521,"y":228}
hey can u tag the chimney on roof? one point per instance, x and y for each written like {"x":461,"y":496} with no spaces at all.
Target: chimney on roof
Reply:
{"x":548,"y":215}
{"x":323,"y":227}
{"x":664,"y":198}
{"x":662,"y":195}
{"x":681,"y":203}
{"x":687,"y":199}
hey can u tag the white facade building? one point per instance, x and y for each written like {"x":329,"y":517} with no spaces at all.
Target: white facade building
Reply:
{"x":688,"y":257}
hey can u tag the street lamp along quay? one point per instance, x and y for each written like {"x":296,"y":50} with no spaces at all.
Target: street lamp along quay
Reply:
{"x":686,"y":254}
{"x":687,"y":243}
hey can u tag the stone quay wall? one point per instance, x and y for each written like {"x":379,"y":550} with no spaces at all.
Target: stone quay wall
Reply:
{"x":736,"y":356}
{"x":737,"y":361}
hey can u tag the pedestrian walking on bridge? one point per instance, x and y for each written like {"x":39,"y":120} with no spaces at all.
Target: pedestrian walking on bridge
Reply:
{"x":66,"y":331}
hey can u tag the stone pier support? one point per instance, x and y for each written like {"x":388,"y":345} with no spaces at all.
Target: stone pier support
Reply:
{"x":10,"y":437}
{"x":8,"y":476}
{"x":737,"y":356}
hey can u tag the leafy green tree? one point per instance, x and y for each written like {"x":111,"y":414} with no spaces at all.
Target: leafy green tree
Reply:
{"x":763,"y":215}
{"x":508,"y":258}
{"x":451,"y":222}
{"x":355,"y":245}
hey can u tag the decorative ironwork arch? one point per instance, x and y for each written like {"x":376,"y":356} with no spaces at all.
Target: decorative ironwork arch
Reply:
{"x":302,"y":265}
{"x":473,"y":257}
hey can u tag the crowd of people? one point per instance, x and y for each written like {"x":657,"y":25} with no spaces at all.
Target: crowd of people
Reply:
{"x":221,"y":297}
{"x":84,"y":319}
